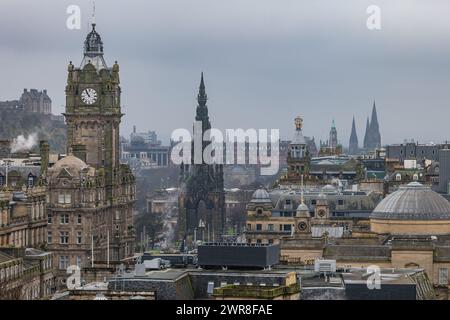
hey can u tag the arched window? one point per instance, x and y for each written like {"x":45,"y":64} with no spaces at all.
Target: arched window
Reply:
{"x":398,"y":177}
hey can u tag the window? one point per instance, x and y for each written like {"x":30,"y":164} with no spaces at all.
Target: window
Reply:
{"x":78,"y":261}
{"x":63,"y":262}
{"x":30,"y":181}
{"x":64,"y":237}
{"x":2,"y":180}
{"x":79,"y":219}
{"x":443,"y":276}
{"x":249,"y":226}
{"x":64,"y":198}
{"x":49,"y":218}
{"x":270,"y":227}
{"x":64,"y":218}
{"x":270,"y":241}
{"x":49,"y":237}
{"x":79,"y":237}
{"x":258,"y":227}
{"x":287,"y":227}
{"x":258,"y":241}
{"x":313,"y":202}
{"x":340,"y":202}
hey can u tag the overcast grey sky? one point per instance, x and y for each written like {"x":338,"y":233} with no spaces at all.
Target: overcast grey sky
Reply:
{"x":265,"y":61}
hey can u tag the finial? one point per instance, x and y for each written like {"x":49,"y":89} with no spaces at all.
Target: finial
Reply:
{"x":202,"y":82}
{"x":298,"y":123}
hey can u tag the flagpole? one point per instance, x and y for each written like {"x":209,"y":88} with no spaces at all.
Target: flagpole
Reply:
{"x":107,"y":249}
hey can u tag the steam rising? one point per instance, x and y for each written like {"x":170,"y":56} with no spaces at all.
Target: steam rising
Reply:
{"x":23,"y":144}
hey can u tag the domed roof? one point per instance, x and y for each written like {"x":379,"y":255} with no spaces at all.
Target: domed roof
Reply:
{"x":302,"y":207}
{"x":261,"y":195}
{"x":413,"y":201}
{"x":71,"y":163}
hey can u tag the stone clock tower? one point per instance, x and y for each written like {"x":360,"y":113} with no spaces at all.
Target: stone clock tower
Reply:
{"x":93,"y":111}
{"x":91,"y":194}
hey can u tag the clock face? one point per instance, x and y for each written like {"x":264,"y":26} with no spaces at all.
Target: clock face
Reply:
{"x":89,"y":96}
{"x":302,"y":226}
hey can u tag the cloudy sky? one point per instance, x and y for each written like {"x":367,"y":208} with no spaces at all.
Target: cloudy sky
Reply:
{"x":265,"y":61}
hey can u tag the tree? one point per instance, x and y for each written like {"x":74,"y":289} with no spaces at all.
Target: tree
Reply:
{"x":153,"y":224}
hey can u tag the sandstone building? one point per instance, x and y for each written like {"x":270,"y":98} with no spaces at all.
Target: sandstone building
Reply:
{"x":91,"y":194}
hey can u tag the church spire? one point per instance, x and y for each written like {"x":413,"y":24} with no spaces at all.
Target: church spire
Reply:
{"x":374,"y":119}
{"x":375,"y":137}
{"x":366,"y":135}
{"x":353,"y":143}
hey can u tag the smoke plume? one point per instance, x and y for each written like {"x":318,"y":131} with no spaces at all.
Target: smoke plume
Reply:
{"x":23,"y":144}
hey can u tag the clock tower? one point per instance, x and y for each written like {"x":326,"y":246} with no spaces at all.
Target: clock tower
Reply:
{"x":93,"y":111}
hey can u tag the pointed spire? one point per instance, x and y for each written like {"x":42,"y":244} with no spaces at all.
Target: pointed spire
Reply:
{"x":374,"y":119}
{"x":366,"y":135}
{"x":202,"y":109}
{"x":202,"y":97}
{"x":374,"y":130}
{"x":353,"y":143}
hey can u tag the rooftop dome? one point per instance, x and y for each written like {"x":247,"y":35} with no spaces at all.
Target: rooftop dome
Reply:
{"x":302,"y":207}
{"x":413,"y":201}
{"x":71,"y":163}
{"x":261,"y":195}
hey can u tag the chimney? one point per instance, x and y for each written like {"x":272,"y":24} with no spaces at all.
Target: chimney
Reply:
{"x":24,"y":90}
{"x":134,"y":129}
{"x":44,"y":149}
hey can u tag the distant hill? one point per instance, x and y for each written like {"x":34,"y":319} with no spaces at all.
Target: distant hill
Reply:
{"x":19,"y":122}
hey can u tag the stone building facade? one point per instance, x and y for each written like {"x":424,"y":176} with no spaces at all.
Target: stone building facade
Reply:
{"x":91,"y":194}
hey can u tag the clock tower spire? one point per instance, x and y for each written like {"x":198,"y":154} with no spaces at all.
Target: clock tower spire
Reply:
{"x":93,"y":112}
